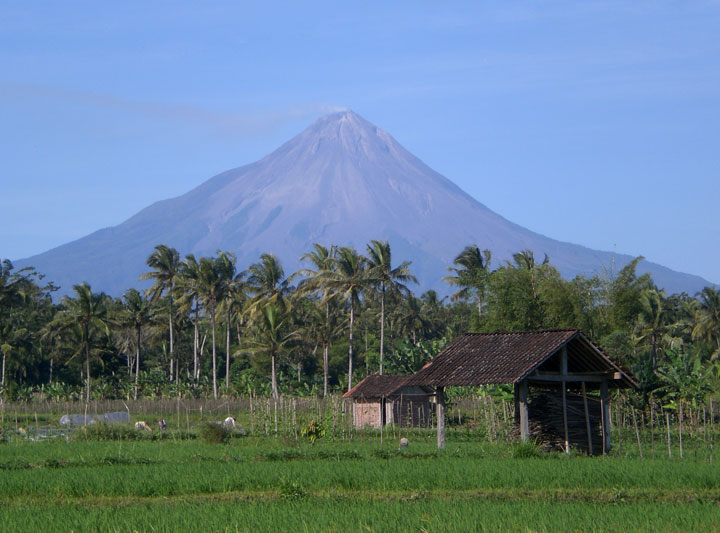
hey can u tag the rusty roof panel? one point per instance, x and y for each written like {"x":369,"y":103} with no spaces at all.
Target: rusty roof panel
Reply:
{"x":377,"y":386}
{"x":477,"y":359}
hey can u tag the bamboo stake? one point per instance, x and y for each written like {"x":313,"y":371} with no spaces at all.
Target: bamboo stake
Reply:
{"x":637,"y":431}
{"x":252,"y":421}
{"x":652,"y":428}
{"x":487,"y":420}
{"x":680,"y":420}
{"x":667,"y":421}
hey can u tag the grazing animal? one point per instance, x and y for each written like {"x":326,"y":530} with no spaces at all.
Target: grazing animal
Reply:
{"x":229,"y":423}
{"x":404,"y":443}
{"x":162,"y":424}
{"x":142,"y":426}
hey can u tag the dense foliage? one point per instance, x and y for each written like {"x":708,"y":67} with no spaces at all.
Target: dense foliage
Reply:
{"x":204,"y":327}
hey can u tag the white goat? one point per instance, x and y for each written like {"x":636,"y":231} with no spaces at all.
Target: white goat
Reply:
{"x":142,"y":426}
{"x":229,"y":423}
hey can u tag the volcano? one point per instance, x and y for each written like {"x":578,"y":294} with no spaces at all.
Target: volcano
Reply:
{"x":341,"y":181}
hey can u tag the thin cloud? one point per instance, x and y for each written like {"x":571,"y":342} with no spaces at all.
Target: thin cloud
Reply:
{"x":236,"y":123}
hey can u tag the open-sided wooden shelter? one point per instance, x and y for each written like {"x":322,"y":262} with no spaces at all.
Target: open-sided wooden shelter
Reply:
{"x":387,"y":399}
{"x":560,"y":366}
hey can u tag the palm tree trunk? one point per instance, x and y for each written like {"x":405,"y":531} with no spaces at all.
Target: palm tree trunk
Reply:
{"x":170,"y":321}
{"x":227,"y":350}
{"x":382,"y":326}
{"x":87,"y":369}
{"x":350,"y":347}
{"x":325,"y":348}
{"x":273,"y":377}
{"x":196,"y":344}
{"x":325,"y":369}
{"x":214,"y":359}
{"x":3,"y":371}
{"x":137,"y":363}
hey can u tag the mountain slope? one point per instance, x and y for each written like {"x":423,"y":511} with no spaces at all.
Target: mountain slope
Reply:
{"x":341,"y":181}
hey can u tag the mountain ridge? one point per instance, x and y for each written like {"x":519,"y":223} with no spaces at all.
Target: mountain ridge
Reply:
{"x":341,"y":181}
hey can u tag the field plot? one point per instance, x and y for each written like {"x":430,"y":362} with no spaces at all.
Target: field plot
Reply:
{"x":267,"y":484}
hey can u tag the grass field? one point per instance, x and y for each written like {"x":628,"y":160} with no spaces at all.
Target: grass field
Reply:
{"x":267,"y":484}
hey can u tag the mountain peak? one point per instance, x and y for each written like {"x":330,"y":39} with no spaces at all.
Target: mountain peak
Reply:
{"x":345,"y":132}
{"x":343,"y":122}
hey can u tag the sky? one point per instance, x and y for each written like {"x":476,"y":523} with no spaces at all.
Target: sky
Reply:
{"x":591,"y":122}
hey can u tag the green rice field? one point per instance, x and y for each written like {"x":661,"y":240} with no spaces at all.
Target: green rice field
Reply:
{"x":259,"y":483}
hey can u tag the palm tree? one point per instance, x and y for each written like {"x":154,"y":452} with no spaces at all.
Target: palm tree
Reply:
{"x":86,"y":313}
{"x":12,"y":293}
{"x":324,"y":260}
{"x":653,"y":323}
{"x":266,"y":281}
{"x":272,"y":337}
{"x":233,"y":292}
{"x":349,"y":279}
{"x":165,"y":263}
{"x":707,"y":320}
{"x":137,"y":313}
{"x":412,"y":318}
{"x":472,"y":268}
{"x":188,"y":282}
{"x":210,"y":287}
{"x":383,"y":275}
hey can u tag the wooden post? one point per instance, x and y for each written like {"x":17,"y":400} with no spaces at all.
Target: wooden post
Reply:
{"x":440,"y":401}
{"x":605,"y":415}
{"x":523,"y":407}
{"x":565,"y":420}
{"x":587,"y":420}
{"x":564,"y":398}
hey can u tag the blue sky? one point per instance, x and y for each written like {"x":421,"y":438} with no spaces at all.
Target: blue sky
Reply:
{"x":591,"y":122}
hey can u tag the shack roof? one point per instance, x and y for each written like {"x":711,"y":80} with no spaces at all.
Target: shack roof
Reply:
{"x":377,"y":386}
{"x":475,"y":359}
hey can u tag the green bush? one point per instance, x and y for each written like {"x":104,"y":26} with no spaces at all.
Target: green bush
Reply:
{"x":213,"y":433}
{"x":292,"y":489}
{"x":527,"y":449}
{"x":313,"y":431}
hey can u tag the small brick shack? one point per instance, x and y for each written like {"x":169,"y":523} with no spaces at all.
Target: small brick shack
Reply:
{"x":381,"y":400}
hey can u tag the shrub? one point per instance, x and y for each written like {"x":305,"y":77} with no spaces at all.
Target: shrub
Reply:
{"x":313,"y":431}
{"x":213,"y":433}
{"x":292,"y":490}
{"x":527,"y":449}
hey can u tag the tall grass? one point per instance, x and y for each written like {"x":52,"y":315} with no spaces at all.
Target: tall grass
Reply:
{"x":332,"y":514}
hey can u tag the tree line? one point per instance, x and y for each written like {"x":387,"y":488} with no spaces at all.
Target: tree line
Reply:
{"x":205,"y":327}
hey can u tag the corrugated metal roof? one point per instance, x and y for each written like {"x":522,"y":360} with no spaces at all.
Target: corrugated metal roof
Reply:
{"x":377,"y":386}
{"x":477,"y":359}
